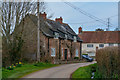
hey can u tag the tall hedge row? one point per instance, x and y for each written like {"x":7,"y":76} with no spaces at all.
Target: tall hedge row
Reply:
{"x":108,"y":61}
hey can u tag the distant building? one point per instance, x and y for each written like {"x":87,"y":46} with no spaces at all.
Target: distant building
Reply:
{"x":57,"y":39}
{"x":100,"y":39}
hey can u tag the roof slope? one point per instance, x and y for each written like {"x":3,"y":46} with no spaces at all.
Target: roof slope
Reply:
{"x":49,"y":27}
{"x":100,"y":36}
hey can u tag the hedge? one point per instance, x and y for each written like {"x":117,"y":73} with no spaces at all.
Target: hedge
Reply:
{"x":108,"y":61}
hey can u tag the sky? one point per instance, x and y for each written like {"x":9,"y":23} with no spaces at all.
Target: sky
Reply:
{"x":101,"y":10}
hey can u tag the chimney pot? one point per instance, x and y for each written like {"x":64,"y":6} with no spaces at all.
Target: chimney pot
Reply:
{"x":60,"y":20}
{"x":80,"y":30}
{"x":43,"y":15}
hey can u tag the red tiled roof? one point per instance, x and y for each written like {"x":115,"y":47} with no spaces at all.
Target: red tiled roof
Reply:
{"x":100,"y":36}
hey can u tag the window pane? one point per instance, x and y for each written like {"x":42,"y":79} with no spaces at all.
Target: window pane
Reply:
{"x":89,"y":45}
{"x":62,"y":51}
{"x":76,"y":53}
{"x":111,"y":44}
{"x":56,"y":35}
{"x":101,"y":45}
{"x":75,"y":39}
{"x":53,"y":52}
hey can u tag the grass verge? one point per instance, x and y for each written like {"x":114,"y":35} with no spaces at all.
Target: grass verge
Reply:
{"x":25,"y":69}
{"x":84,"y":72}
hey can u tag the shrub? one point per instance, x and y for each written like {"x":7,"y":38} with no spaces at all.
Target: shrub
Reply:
{"x":108,"y":60}
{"x":77,"y":58}
{"x":39,"y":64}
{"x":84,"y":54}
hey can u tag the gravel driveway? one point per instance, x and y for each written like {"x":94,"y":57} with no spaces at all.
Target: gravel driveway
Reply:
{"x":63,"y":71}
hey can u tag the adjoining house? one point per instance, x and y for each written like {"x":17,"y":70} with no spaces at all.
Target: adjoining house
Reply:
{"x":57,"y":39}
{"x":100,"y":39}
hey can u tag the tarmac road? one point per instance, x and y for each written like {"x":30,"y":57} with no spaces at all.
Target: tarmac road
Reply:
{"x":62,"y":71}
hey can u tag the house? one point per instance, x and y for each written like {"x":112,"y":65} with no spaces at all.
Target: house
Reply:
{"x":100,"y":39}
{"x":57,"y":40}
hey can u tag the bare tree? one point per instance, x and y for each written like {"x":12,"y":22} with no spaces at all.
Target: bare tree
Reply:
{"x":12,"y":14}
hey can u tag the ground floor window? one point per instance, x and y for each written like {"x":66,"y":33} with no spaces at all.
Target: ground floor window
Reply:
{"x":90,"y":45}
{"x":111,"y":44}
{"x":53,"y":52}
{"x":101,"y":45}
{"x":62,"y":51}
{"x":76,"y":53}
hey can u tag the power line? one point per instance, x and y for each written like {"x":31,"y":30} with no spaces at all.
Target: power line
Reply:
{"x":87,"y":14}
{"x":92,"y":21}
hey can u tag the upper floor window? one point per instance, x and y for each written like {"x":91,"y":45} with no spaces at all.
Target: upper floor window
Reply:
{"x":90,"y":45}
{"x":75,"y":39}
{"x":111,"y":44}
{"x":65,"y":36}
{"x":101,"y":45}
{"x":56,"y":35}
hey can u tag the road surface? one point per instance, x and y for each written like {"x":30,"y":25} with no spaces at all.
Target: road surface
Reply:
{"x":62,"y":71}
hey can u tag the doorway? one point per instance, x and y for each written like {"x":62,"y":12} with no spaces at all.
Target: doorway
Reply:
{"x":65,"y":54}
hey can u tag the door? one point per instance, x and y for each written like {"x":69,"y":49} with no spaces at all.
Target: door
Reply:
{"x":65,"y":54}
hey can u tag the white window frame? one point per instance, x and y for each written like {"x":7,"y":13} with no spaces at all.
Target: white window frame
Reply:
{"x":62,"y":51}
{"x":90,"y":46}
{"x":76,"y":53}
{"x":56,"y":35}
{"x":65,"y":36}
{"x":53,"y":52}
{"x":75,"y":39}
{"x":111,"y":44}
{"x":102,"y":46}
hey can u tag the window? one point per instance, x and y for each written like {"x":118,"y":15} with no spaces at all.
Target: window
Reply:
{"x":76,"y":53}
{"x":62,"y":51}
{"x":118,"y":44}
{"x":65,"y":36}
{"x":111,"y":44}
{"x":75,"y":39}
{"x":53,"y":52}
{"x":56,"y":35}
{"x":90,"y":45}
{"x":101,"y":45}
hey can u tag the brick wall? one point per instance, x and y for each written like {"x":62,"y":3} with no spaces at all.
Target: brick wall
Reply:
{"x":29,"y":49}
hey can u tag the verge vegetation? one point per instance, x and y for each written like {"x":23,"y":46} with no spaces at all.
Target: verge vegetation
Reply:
{"x":18,"y":72}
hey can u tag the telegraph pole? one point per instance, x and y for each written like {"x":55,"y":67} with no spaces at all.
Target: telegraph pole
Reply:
{"x":38,"y":35}
{"x":108,"y":24}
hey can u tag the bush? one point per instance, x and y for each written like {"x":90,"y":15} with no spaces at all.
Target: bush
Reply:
{"x":77,"y":58}
{"x":108,"y":61}
{"x":40,"y":64}
{"x":84,"y":54}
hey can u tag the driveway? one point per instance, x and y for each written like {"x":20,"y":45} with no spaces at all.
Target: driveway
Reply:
{"x":63,"y":71}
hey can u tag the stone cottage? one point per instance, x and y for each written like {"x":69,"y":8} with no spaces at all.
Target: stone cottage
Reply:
{"x":57,"y":40}
{"x":99,"y":39}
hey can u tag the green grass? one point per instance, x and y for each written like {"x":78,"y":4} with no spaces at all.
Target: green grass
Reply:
{"x":83,"y":72}
{"x":24,"y":70}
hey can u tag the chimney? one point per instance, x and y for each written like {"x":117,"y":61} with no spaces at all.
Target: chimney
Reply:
{"x":59,"y":20}
{"x":80,"y":30}
{"x":43,"y":15}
